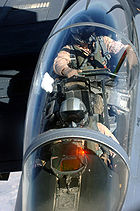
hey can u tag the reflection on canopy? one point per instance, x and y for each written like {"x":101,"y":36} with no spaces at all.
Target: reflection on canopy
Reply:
{"x":76,"y":174}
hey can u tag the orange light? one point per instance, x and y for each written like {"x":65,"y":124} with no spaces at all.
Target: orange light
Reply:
{"x":80,"y":151}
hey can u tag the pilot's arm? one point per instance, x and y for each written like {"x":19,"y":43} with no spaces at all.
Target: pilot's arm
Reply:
{"x":112,"y":45}
{"x":115,"y":46}
{"x":61,"y":63}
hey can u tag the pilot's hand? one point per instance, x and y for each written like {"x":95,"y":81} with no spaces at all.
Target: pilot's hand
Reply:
{"x":132,"y":59}
{"x":69,"y":72}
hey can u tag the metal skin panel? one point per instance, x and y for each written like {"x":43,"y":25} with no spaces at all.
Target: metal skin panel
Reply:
{"x":132,"y":201}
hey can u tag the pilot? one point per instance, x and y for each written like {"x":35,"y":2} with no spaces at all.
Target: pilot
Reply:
{"x":88,"y":52}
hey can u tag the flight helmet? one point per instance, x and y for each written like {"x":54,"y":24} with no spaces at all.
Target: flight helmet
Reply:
{"x":83,"y":34}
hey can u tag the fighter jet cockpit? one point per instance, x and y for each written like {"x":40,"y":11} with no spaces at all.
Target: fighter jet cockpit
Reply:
{"x":80,"y":119}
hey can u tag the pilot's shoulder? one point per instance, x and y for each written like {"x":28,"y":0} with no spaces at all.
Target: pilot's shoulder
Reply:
{"x":104,"y":130}
{"x":66,"y":48}
{"x":107,"y":39}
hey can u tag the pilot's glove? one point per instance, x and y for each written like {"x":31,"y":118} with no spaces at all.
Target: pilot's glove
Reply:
{"x":69,"y":72}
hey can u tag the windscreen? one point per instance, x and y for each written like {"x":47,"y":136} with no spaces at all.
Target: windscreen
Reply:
{"x":74,"y":174}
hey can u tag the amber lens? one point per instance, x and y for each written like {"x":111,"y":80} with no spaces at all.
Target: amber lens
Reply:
{"x":70,"y":164}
